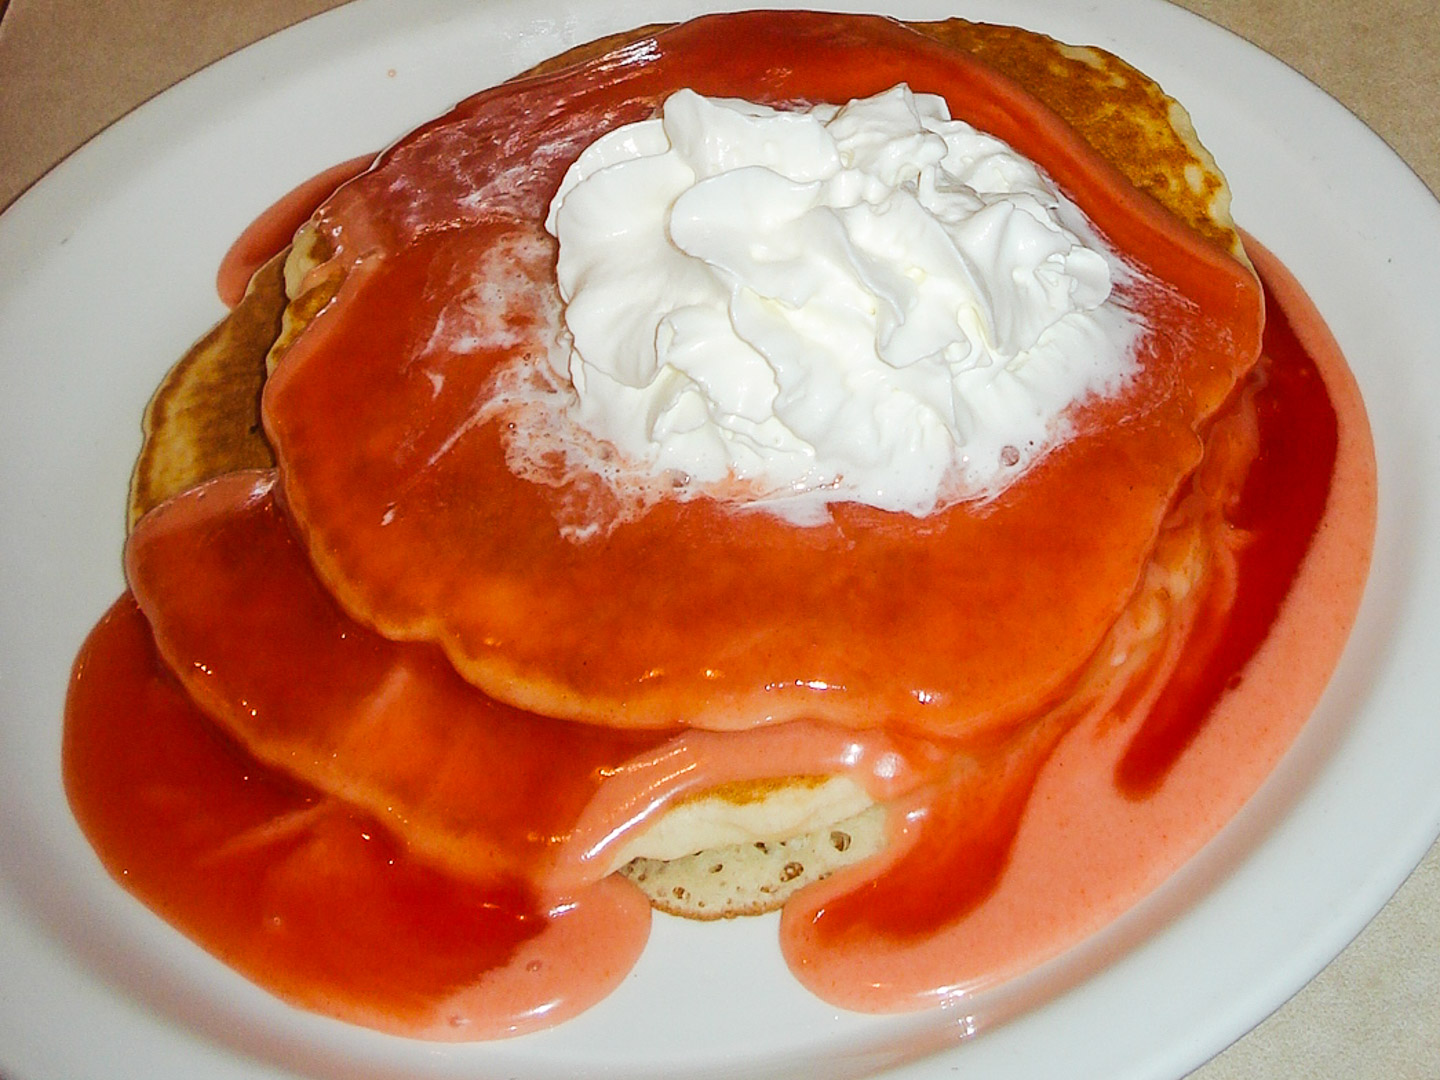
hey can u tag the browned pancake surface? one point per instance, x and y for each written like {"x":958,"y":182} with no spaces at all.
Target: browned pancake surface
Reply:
{"x":204,"y":418}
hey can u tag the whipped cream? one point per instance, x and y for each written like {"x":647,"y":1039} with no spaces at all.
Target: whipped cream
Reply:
{"x":872,"y":302}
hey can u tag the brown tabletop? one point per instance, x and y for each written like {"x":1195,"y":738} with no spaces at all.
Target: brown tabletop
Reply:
{"x":70,"y":67}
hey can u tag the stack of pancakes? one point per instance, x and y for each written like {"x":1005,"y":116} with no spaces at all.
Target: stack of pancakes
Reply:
{"x":744,"y":847}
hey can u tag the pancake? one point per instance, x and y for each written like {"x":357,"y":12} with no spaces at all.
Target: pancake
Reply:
{"x":204,"y":418}
{"x":757,"y":876}
{"x":424,"y":531}
{"x":1115,"y":109}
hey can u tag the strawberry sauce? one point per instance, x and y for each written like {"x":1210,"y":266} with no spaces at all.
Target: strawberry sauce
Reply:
{"x":341,"y":812}
{"x":323,"y":904}
{"x":269,"y":233}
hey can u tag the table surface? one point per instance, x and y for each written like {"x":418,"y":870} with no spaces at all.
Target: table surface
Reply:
{"x":68,"y":68}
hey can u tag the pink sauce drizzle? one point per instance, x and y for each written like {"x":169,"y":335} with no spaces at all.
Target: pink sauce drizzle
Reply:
{"x":1090,"y":842}
{"x":268,"y":234}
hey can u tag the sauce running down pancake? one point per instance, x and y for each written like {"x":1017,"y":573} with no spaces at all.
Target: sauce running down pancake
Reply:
{"x":1086,"y":632}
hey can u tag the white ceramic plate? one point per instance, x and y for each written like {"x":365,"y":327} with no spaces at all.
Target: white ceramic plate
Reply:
{"x":105,"y":276}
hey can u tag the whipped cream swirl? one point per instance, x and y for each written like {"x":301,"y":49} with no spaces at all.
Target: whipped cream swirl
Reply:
{"x":872,"y":302}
